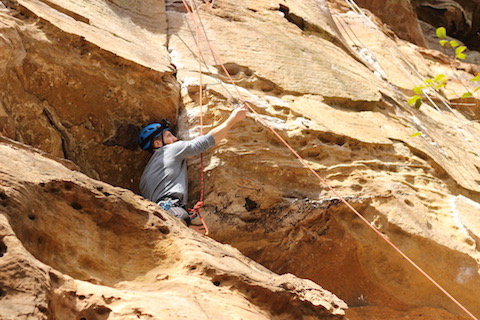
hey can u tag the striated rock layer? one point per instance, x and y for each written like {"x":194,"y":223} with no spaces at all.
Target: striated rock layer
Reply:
{"x":80,"y":79}
{"x":360,"y":136}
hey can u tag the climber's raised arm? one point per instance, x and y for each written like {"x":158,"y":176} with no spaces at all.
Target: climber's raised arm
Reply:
{"x":221,"y":130}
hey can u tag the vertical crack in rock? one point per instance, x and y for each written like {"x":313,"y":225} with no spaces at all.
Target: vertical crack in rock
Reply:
{"x":57,"y":125}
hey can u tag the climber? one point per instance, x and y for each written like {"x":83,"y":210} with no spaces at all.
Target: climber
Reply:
{"x":164,"y":179}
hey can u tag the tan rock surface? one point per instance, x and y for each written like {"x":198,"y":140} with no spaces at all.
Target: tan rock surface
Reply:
{"x":400,"y":15}
{"x":11,"y":46}
{"x":404,"y":185}
{"x":313,"y":65}
{"x":87,"y":83}
{"x":460,"y":18}
{"x":352,"y":126}
{"x":72,"y":247}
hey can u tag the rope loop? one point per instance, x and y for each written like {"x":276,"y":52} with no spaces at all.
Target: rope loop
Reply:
{"x":195,"y":212}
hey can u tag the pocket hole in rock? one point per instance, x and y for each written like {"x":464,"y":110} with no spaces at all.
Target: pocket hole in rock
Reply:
{"x":3,"y":248}
{"x":409,"y":203}
{"x":76,"y":206}
{"x":250,"y":205}
{"x":232,"y":69}
{"x":164,"y":230}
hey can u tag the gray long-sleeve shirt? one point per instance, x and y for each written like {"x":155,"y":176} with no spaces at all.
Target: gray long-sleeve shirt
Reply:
{"x":166,"y":172}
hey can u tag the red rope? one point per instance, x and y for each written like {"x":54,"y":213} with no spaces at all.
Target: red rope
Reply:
{"x":390,"y":243}
{"x":196,"y":209}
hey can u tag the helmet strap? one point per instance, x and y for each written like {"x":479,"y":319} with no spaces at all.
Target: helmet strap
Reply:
{"x":163,"y":142}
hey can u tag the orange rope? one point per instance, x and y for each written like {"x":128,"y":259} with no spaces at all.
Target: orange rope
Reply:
{"x":327,"y":185}
{"x":196,"y":209}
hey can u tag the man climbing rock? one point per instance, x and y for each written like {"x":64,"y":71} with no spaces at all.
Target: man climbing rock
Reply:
{"x":164,"y":179}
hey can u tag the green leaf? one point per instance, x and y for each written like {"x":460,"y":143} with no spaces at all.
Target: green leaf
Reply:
{"x":460,"y":49}
{"x":467,"y":94}
{"x":476,"y":78}
{"x":440,"y":85}
{"x":459,"y":52}
{"x":478,"y":88}
{"x":418,"y":103}
{"x":443,"y":43}
{"x":454,"y":43}
{"x":414,"y":99}
{"x":441,"y":32}
{"x":416,"y":134}
{"x":418,"y":90}
{"x":428,"y":81}
{"x":440,"y":78}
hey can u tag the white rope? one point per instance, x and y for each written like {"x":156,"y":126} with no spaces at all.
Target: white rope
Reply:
{"x":358,"y":10}
{"x":418,"y":124}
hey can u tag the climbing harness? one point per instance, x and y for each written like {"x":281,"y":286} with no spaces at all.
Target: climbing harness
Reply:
{"x":309,"y":167}
{"x":175,"y":207}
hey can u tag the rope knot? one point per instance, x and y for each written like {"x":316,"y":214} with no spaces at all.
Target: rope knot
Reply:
{"x":195,"y":212}
{"x":198,"y":205}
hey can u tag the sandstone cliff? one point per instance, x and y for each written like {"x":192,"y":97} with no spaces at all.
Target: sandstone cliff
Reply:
{"x":80,"y":78}
{"x":76,"y":248}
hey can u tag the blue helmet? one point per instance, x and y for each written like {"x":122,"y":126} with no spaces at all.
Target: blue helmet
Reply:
{"x":150,"y":132}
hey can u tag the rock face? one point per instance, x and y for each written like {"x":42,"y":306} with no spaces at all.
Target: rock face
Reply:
{"x":75,"y":248}
{"x":331,"y":82}
{"x":460,"y":18}
{"x":87,"y":84}
{"x":357,"y":134}
{"x":400,"y":15}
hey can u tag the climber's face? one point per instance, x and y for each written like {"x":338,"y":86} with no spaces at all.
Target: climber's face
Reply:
{"x":168,"y":138}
